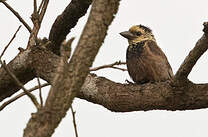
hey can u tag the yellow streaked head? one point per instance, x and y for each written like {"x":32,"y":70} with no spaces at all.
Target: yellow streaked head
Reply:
{"x":137,"y":34}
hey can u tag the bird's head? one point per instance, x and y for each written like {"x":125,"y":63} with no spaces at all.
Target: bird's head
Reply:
{"x":137,"y":34}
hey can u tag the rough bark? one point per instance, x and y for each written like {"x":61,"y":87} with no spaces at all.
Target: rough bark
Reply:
{"x":70,"y":77}
{"x":19,"y":66}
{"x":161,"y":96}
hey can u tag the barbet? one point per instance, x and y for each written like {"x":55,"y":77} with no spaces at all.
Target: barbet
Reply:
{"x":145,"y":61}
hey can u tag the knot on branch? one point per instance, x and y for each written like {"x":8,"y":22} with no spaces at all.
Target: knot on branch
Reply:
{"x":35,"y":18}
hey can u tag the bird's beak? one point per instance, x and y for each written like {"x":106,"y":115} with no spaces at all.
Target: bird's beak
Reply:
{"x":128,"y":35}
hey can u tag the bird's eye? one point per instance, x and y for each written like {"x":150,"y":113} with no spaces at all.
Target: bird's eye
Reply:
{"x":138,"y":33}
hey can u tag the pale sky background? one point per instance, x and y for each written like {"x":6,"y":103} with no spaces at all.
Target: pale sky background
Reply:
{"x":177,"y":25}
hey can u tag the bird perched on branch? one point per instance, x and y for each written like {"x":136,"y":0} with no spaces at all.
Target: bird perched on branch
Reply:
{"x":146,"y":62}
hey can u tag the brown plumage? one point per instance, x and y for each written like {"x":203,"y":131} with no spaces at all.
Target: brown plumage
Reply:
{"x":146,"y":62}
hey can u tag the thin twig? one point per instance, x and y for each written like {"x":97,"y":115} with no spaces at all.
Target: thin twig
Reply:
{"x":37,"y":20}
{"x":35,"y":6}
{"x":31,"y":96}
{"x":122,"y":69}
{"x":43,"y":10}
{"x":40,"y":92}
{"x":17,"y":15}
{"x":10,"y":42}
{"x":112,"y":65}
{"x":21,"y":95}
{"x":74,"y":121}
{"x":40,"y":7}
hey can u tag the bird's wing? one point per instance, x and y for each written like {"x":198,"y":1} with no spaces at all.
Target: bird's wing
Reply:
{"x":159,"y":54}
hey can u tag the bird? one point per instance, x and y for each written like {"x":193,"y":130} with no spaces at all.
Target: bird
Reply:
{"x":145,"y":60}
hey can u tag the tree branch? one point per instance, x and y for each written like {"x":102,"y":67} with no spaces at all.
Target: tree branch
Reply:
{"x":21,"y":95}
{"x":43,"y":10}
{"x":21,"y":68}
{"x":37,"y":20}
{"x":74,"y":121}
{"x":40,"y":92}
{"x":69,"y":80}
{"x":112,"y":65}
{"x":35,"y":6}
{"x":17,"y":15}
{"x":119,"y":97}
{"x":40,"y":6}
{"x":194,"y":55}
{"x":9,"y":42}
{"x":31,"y":96}
{"x":66,"y":21}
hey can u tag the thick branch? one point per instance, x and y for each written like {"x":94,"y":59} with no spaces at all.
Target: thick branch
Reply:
{"x":70,"y":77}
{"x":20,"y":67}
{"x":194,"y":55}
{"x":125,"y":98}
{"x":31,"y":96}
{"x":66,"y":21}
{"x":25,"y":66}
